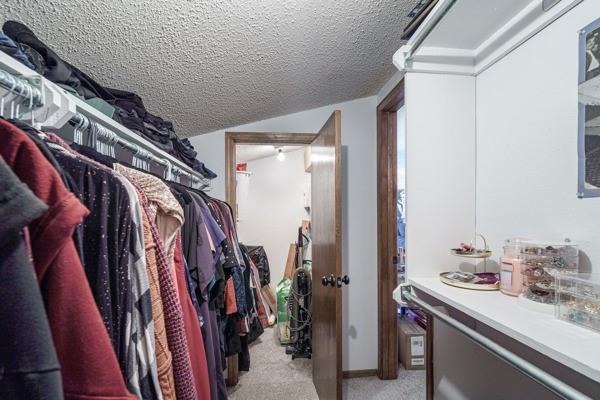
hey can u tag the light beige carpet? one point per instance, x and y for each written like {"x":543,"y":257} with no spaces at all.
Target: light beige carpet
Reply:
{"x":274,"y":375}
{"x":410,"y":385}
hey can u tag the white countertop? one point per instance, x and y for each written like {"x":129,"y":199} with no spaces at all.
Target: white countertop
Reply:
{"x":571,"y":345}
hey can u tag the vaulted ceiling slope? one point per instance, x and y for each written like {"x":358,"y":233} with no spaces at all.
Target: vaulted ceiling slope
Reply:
{"x":208,"y":65}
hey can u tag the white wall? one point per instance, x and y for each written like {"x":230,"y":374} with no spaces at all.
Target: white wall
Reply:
{"x":440,"y":170}
{"x":359,"y":211}
{"x":525,"y":183}
{"x":273,"y":209}
{"x":527,"y":142}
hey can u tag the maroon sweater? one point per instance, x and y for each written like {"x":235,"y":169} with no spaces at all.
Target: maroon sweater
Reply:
{"x":88,"y":363}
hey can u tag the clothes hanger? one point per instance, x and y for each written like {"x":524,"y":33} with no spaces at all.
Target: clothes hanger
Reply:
{"x":167,"y":173}
{"x":78,"y":133}
{"x":2,"y":104}
{"x":12,"y":102}
{"x":22,"y":93}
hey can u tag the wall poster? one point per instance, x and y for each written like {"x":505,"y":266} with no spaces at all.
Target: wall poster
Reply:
{"x":589,"y":111}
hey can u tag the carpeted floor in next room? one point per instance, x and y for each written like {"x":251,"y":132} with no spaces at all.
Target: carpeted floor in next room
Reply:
{"x":410,"y":385}
{"x":274,"y":375}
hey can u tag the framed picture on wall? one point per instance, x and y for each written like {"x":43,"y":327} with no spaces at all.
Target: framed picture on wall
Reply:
{"x":589,"y":111}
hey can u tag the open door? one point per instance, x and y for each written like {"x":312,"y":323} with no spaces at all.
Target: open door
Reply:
{"x":326,"y":232}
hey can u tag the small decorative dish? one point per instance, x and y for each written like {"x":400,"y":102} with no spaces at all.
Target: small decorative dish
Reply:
{"x":470,"y":250}
{"x":466,"y":280}
{"x":474,"y":253}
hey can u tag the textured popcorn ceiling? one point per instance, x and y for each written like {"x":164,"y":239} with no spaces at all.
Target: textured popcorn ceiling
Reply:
{"x":208,"y":65}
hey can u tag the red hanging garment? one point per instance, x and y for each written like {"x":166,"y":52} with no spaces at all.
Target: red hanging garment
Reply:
{"x":192,"y":328}
{"x":88,"y":362}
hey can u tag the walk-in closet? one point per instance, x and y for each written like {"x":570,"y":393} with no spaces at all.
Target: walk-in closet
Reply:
{"x":299,"y":200}
{"x":272,"y":198}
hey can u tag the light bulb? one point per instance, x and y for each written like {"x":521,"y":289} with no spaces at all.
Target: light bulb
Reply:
{"x":280,"y":155}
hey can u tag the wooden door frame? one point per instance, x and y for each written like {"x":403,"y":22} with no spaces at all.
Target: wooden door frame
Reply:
{"x":387,"y":276}
{"x":232,"y":139}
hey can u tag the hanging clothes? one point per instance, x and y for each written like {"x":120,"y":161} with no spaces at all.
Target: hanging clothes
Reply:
{"x":141,"y":371}
{"x":163,"y":354}
{"x":107,"y":234}
{"x":192,"y":328}
{"x":72,"y":314}
{"x":142,"y":324}
{"x":199,"y":253}
{"x":157,"y":271}
{"x":258,"y":255}
{"x":156,"y":201}
{"x":30,"y":365}
{"x":167,"y":212}
{"x":200,"y":260}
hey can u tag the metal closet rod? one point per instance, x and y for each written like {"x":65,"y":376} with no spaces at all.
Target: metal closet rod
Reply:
{"x":21,"y":88}
{"x":551,"y":383}
{"x":82,"y":120}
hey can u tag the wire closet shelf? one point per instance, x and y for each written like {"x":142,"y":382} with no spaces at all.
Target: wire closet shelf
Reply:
{"x":28,"y":94}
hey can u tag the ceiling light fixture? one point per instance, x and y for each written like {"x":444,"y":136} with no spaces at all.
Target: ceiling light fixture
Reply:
{"x":280,"y":155}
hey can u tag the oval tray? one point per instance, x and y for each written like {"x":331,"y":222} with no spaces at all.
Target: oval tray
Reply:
{"x":476,"y":254}
{"x":467,"y":285}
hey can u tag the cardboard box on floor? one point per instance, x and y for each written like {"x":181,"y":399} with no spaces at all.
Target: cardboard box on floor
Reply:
{"x":305,"y":226}
{"x":269,"y":296}
{"x":291,"y":262}
{"x":411,"y":344}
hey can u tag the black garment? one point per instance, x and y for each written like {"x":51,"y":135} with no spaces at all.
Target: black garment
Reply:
{"x":160,"y":137}
{"x":132,"y":113}
{"x":246,"y":274}
{"x":189,"y":230}
{"x":216,"y":294}
{"x":181,"y":194}
{"x":200,"y":167}
{"x":185,"y":151}
{"x":56,"y":69}
{"x":131,"y":103}
{"x":244,"y":355}
{"x":232,"y":344}
{"x":68,"y":181}
{"x":258,"y":255}
{"x":94,"y":155}
{"x":107,"y":233}
{"x":129,"y":119}
{"x":28,"y":363}
{"x":228,"y":261}
{"x":35,"y":58}
{"x":190,"y":240}
{"x":256,"y":328}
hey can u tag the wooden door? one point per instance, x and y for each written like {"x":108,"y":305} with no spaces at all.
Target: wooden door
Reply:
{"x":326,"y":221}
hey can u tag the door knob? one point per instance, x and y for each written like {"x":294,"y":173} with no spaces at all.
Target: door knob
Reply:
{"x":345,"y":280}
{"x":328,"y":280}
